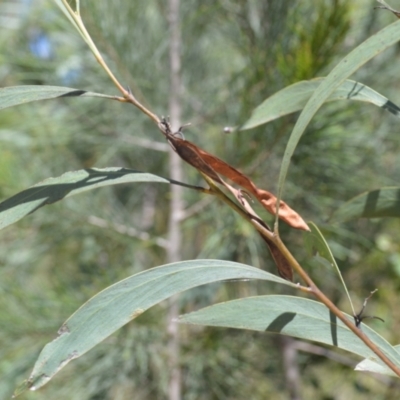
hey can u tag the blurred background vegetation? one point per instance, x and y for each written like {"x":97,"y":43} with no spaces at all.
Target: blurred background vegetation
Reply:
{"x":235,"y":54}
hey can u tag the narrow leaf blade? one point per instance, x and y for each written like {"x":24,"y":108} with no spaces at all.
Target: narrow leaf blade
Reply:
{"x":66,"y":13}
{"x":370,"y":48}
{"x":315,"y":241}
{"x":15,"y":95}
{"x":294,"y":98}
{"x":379,"y":203}
{"x":71,"y":183}
{"x":117,"y":305}
{"x":293,"y":316}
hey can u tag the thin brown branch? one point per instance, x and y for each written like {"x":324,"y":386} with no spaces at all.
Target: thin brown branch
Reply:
{"x":312,"y":287}
{"x":126,"y":93}
{"x":176,"y":203}
{"x":332,"y":307}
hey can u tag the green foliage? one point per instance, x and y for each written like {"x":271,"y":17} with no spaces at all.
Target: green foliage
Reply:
{"x":12,"y":96}
{"x":61,"y":256}
{"x":126,"y":300}
{"x":293,"y":316}
{"x":346,"y":67}
{"x":294,"y":97}
{"x":314,"y":43}
{"x":69,"y":184}
{"x":383,"y":202}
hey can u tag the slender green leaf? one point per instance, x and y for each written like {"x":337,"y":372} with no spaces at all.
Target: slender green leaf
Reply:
{"x":73,"y":14}
{"x":67,"y":14}
{"x":383,"y":202}
{"x":315,"y":241}
{"x":15,"y":95}
{"x":294,"y":97}
{"x":54,"y":189}
{"x":120,"y":303}
{"x":370,"y":48}
{"x":293,"y":316}
{"x":372,"y":366}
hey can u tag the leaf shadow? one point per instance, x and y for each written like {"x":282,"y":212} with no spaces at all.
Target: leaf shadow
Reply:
{"x":54,"y":192}
{"x":379,"y":204}
{"x":280,"y":322}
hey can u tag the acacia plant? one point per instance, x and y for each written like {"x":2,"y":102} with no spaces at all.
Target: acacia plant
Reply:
{"x":308,"y":313}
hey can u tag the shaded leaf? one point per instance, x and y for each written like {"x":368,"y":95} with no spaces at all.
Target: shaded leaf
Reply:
{"x":383,"y":202}
{"x":15,"y":95}
{"x":370,"y":48}
{"x":294,"y":97}
{"x":54,"y":189}
{"x":293,"y":316}
{"x":120,"y":303}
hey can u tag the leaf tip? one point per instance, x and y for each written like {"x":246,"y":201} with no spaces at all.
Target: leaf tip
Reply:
{"x":29,"y":384}
{"x":23,"y":387}
{"x":292,"y":218}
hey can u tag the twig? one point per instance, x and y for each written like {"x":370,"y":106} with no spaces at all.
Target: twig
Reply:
{"x":332,"y":307}
{"x":126,"y":230}
{"x":312,"y":287}
{"x":196,"y":208}
{"x":385,"y":6}
{"x":358,"y":318}
{"x":272,"y":236}
{"x":127,"y":94}
{"x":146,"y":143}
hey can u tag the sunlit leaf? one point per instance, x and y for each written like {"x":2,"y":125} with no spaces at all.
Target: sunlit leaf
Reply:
{"x":370,"y":48}
{"x":293,"y":316}
{"x":120,"y":303}
{"x":383,"y":202}
{"x":15,"y":95}
{"x":54,"y":189}
{"x":294,"y":97}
